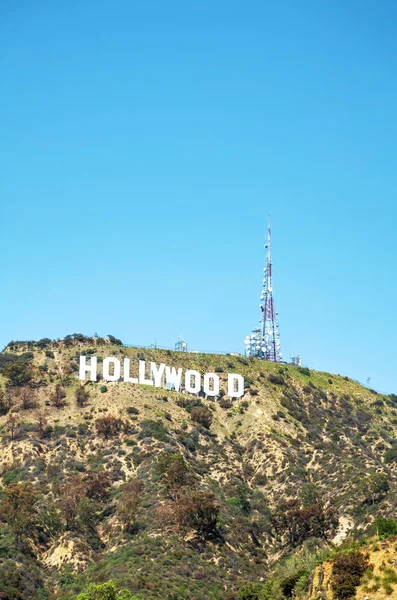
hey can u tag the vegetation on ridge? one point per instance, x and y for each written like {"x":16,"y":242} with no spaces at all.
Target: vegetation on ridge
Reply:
{"x":147,"y":493}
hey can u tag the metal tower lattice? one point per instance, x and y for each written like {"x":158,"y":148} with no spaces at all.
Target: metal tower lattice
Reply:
{"x":264,"y":342}
{"x":180,"y":345}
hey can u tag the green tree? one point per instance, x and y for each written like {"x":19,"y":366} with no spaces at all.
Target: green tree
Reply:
{"x":20,"y":577}
{"x":243,"y":500}
{"x":375,"y":487}
{"x":385,"y":527}
{"x":70,"y":495}
{"x":198,"y":511}
{"x":18,"y":508}
{"x":271,"y":591}
{"x":391,"y":455}
{"x":87,"y":516}
{"x":309,"y":494}
{"x":129,"y":503}
{"x":298,"y":522}
{"x":98,"y":486}
{"x":6,"y":399}
{"x":105,"y":591}
{"x":18,"y":373}
{"x":100,"y":591}
{"x":126,"y":595}
{"x":114,"y":340}
{"x":251,"y":591}
{"x":174,"y":471}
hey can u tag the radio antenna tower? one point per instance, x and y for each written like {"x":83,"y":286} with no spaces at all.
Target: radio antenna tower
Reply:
{"x":264,"y":342}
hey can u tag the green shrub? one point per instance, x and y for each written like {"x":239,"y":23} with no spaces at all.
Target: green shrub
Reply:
{"x":202,"y":415}
{"x":276,"y":379}
{"x":82,"y":395}
{"x":19,"y":373}
{"x":153,"y":429}
{"x":385,"y":527}
{"x":387,"y":587}
{"x":304,"y":371}
{"x":14,"y":476}
{"x":105,"y":591}
{"x":391,"y":455}
{"x":108,"y":426}
{"x":225,"y":402}
{"x":114,"y":340}
{"x":48,"y":431}
{"x":103,"y":389}
{"x":251,"y":591}
{"x":390,"y":575}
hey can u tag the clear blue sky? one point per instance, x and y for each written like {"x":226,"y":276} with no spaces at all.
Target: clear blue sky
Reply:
{"x":143,"y":144}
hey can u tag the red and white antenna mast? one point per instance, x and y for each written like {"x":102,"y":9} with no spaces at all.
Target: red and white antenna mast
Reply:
{"x":264,"y":342}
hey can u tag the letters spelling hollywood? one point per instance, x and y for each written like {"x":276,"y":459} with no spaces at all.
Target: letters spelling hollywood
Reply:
{"x":161,"y":376}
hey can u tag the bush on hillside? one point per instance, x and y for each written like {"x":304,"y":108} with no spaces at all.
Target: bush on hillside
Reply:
{"x":391,"y":455}
{"x":347,"y":571}
{"x":129,"y":504}
{"x":202,"y":415}
{"x":57,"y":397}
{"x":298,"y":522}
{"x":82,"y":395}
{"x":6,"y":400}
{"x":18,"y":373}
{"x":174,"y":472}
{"x":374,"y":487}
{"x":243,"y":361}
{"x":114,"y":340}
{"x":276,"y":379}
{"x":225,"y":402}
{"x":43,"y":343}
{"x":200,"y":512}
{"x":251,"y":591}
{"x":155,"y":429}
{"x":385,"y":527}
{"x":105,"y":591}
{"x":108,"y":426}
{"x":8,"y":358}
{"x":27,"y":397}
{"x":304,"y":371}
{"x":20,"y":576}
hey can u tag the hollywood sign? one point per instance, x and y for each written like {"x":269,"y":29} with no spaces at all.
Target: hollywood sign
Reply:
{"x":160,"y":376}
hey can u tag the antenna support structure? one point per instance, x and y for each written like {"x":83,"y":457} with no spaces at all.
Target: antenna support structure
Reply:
{"x":180,"y":345}
{"x":264,"y":341}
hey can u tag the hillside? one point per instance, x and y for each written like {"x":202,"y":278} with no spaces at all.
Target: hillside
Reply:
{"x":177,"y":496}
{"x":378,"y":582}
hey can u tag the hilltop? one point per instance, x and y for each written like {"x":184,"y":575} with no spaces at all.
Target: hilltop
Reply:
{"x":179,"y":496}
